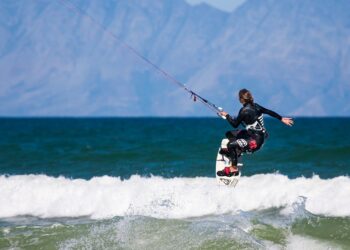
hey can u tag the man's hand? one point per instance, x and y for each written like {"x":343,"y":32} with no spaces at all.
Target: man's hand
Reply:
{"x":288,"y":121}
{"x":223,"y":113}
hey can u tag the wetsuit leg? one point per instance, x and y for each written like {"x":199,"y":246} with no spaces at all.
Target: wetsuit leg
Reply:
{"x":232,"y":134}
{"x":237,"y":144}
{"x":255,"y":141}
{"x":241,"y":141}
{"x":234,"y":153}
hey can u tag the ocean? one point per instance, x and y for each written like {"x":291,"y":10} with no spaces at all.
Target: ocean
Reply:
{"x":149,"y":183}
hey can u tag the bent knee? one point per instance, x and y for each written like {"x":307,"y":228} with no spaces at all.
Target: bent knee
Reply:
{"x":239,"y":143}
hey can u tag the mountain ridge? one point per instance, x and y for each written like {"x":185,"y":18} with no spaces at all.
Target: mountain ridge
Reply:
{"x":294,"y":57}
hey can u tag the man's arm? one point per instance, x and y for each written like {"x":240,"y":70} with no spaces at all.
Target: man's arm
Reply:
{"x":269,"y":112}
{"x":232,"y":120}
{"x":286,"y":120}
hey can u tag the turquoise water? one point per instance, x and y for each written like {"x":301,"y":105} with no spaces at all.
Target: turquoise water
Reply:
{"x":148,"y":183}
{"x":84,"y":148}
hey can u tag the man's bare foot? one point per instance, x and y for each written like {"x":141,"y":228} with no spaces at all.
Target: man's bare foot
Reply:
{"x":233,"y":169}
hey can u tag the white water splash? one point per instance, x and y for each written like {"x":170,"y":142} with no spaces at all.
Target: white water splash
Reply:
{"x":106,"y":197}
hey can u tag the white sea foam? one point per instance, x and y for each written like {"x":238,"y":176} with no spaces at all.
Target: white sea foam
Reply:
{"x":105,"y":197}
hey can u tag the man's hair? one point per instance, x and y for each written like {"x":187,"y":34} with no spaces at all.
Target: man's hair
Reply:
{"x":245,"y":96}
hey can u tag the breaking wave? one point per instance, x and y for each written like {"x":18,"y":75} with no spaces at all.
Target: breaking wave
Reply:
{"x":107,"y":197}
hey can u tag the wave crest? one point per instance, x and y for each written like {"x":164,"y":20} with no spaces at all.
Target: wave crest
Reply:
{"x":106,"y":197}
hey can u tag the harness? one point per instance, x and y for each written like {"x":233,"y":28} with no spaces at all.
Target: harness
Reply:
{"x":257,"y":126}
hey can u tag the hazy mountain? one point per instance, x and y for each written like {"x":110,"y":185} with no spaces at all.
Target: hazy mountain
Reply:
{"x":294,"y":55}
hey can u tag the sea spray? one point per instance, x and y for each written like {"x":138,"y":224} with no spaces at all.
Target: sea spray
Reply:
{"x":107,"y":197}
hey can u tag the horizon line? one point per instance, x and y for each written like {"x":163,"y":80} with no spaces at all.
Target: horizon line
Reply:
{"x":153,"y":117}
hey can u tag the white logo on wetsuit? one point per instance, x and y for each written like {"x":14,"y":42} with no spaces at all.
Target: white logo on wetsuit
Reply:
{"x":242,"y":143}
{"x":257,"y":125}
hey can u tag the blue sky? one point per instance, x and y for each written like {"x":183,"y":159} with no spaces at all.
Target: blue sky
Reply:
{"x":225,"y":5}
{"x":53,"y":62}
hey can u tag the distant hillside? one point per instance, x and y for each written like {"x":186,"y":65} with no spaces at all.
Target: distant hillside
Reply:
{"x":294,"y":55}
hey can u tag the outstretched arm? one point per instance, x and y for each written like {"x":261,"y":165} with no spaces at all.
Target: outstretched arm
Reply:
{"x":286,"y":120}
{"x":269,"y":112}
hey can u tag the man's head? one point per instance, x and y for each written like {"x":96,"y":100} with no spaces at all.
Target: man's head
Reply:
{"x":245,"y":96}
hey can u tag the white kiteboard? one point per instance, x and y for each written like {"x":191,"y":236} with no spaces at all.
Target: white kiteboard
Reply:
{"x":223,"y":161}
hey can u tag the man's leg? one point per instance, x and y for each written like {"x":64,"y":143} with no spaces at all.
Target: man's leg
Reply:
{"x":233,"y":152}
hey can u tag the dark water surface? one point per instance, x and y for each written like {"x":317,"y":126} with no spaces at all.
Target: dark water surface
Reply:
{"x":169,"y":147}
{"x":148,"y":183}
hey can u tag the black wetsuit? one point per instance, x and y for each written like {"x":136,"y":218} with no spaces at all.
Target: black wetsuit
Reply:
{"x":251,"y":138}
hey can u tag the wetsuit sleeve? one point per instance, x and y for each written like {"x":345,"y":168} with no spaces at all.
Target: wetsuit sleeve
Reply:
{"x":269,"y":112}
{"x":234,"y":121}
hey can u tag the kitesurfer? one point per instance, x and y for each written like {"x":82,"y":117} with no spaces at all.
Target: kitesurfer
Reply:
{"x":252,"y":137}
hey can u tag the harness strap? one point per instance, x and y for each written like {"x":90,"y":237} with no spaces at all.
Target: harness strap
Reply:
{"x":258,"y":125}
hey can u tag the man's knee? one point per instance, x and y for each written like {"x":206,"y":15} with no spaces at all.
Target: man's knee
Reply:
{"x":229,"y":135}
{"x":238,"y":144}
{"x":232,"y":134}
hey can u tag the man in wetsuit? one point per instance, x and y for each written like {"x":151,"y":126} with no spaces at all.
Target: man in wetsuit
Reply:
{"x":251,"y":138}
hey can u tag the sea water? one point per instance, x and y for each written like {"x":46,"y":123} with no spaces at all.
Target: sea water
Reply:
{"x":149,"y":183}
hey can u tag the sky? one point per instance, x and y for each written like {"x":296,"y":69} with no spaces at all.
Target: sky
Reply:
{"x":225,"y":5}
{"x":53,"y":62}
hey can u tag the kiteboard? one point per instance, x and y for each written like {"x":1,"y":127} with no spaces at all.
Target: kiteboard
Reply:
{"x":223,"y":161}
